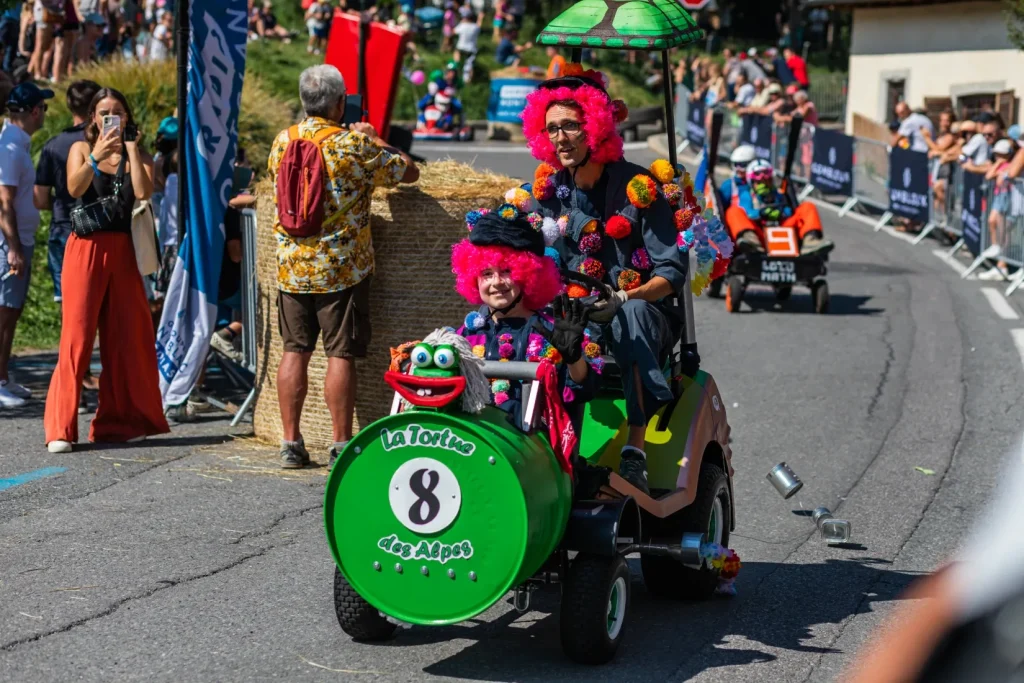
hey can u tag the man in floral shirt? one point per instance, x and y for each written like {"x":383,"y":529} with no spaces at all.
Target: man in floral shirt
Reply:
{"x":324,"y":280}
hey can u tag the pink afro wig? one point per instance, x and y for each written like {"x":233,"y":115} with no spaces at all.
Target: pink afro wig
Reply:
{"x":536,"y":275}
{"x":599,"y":119}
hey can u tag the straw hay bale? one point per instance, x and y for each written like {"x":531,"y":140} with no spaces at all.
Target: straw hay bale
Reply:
{"x":412,"y":292}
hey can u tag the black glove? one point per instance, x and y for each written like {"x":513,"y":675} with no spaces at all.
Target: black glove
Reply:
{"x":570,"y":322}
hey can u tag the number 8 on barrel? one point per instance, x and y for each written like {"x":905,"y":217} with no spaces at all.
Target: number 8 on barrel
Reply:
{"x":425,"y":495}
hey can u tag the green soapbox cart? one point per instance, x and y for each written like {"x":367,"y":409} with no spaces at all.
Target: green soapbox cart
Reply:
{"x":433,"y":514}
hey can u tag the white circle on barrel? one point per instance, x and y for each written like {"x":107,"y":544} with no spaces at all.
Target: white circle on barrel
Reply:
{"x":425,"y":495}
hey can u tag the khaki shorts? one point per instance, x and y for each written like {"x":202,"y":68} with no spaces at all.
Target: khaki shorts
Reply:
{"x":343,"y":317}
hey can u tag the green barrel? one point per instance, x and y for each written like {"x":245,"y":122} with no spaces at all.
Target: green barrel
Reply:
{"x":433,"y":517}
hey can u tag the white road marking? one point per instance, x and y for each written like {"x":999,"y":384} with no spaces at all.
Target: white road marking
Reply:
{"x":1018,"y":340}
{"x":899,"y":235}
{"x":999,"y":304}
{"x":462,"y":148}
{"x":952,"y":263}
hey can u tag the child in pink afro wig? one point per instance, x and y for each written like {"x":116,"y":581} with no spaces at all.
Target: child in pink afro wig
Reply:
{"x":536,"y":275}
{"x":600,"y":115}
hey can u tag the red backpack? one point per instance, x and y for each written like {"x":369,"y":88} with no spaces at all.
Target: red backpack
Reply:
{"x":302,"y":184}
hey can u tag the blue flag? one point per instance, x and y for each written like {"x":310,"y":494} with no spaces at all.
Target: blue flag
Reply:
{"x":216,"y":68}
{"x":701,"y":178}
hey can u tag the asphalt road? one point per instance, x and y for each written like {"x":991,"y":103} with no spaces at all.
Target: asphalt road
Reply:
{"x":192,"y":557}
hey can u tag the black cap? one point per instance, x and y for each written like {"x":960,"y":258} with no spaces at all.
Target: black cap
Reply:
{"x":26,"y":97}
{"x":492,"y":230}
{"x":572,"y":82}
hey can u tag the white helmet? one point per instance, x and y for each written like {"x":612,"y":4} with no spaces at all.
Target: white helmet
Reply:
{"x":743,"y":155}
{"x":760,"y":171}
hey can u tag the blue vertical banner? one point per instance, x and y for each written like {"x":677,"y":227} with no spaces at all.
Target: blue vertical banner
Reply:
{"x":216,"y":68}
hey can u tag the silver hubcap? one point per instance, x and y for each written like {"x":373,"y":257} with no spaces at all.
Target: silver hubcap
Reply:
{"x":616,"y":608}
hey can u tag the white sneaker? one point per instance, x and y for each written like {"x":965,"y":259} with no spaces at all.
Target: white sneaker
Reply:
{"x":16,"y":389}
{"x":994,"y":274}
{"x":225,"y":347}
{"x":8,"y":399}
{"x":59,"y":446}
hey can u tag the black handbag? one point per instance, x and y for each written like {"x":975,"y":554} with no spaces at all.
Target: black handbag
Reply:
{"x":100,"y":214}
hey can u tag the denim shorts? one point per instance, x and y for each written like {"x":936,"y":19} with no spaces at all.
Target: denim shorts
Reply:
{"x":1001,"y":203}
{"x":14,"y":290}
{"x":56,"y":245}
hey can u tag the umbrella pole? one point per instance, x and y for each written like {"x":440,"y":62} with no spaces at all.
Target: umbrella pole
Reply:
{"x":670,"y":120}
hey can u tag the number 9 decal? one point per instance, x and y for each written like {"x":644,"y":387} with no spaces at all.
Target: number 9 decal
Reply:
{"x":425,"y":495}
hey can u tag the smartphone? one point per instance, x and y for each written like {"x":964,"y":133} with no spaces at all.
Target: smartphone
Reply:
{"x":110,"y":123}
{"x":353,"y":109}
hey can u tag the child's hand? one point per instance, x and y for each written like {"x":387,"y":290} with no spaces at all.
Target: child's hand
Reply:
{"x":570,"y":322}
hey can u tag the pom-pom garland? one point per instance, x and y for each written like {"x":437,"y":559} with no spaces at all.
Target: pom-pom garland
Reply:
{"x":673,"y":193}
{"x":474,"y":321}
{"x":618,"y":227}
{"x":641,"y":259}
{"x":591,"y":226}
{"x":549,"y":226}
{"x":641,"y":191}
{"x":575,"y":291}
{"x":552,"y":254}
{"x":562,"y":192}
{"x":592,"y":267}
{"x":684,"y":219}
{"x":720,"y":268}
{"x":662,"y":170}
{"x":590,"y":243}
{"x":629,"y":280}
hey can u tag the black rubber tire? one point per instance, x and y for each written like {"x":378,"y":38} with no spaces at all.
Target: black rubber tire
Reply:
{"x":667,"y":578}
{"x":821,"y":298}
{"x":715,"y":289}
{"x":586,"y":596}
{"x":358,"y":618}
{"x":734,"y":293}
{"x":783,"y":293}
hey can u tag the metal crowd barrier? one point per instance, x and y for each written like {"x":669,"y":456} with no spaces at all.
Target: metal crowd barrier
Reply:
{"x":248,"y":306}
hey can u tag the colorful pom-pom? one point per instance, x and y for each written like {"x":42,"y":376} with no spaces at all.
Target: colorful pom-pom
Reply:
{"x":535,"y":220}
{"x":563,"y":225}
{"x":521,"y":199}
{"x":575,"y":291}
{"x":552,"y":254}
{"x":592,"y":267}
{"x":685,"y":240}
{"x":471,"y":219}
{"x":629,"y":280}
{"x":590,"y":226}
{"x":662,"y":170}
{"x":500,"y":385}
{"x":479,"y":350}
{"x":552,"y":354}
{"x":562,"y":192}
{"x":474,"y":321}
{"x":544,"y":171}
{"x":641,"y":259}
{"x":506,"y":352}
{"x":508,"y":212}
{"x":620,"y":111}
{"x":528,"y":187}
{"x":597,"y":365}
{"x":673,"y":193}
{"x":592,"y":350}
{"x":590,"y":243}
{"x":684,"y":219}
{"x":642,"y":191}
{"x":618,"y":227}
{"x":535,"y":347}
{"x":543,"y":189}
{"x":549,"y":226}
{"x":500,"y":398}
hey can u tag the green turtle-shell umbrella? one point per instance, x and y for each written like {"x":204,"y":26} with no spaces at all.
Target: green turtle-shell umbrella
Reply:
{"x":622,"y":25}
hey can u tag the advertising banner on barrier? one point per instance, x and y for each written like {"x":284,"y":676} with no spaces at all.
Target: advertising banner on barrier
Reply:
{"x":216,"y":67}
{"x":757,"y":131}
{"x":832,"y":162}
{"x":508,"y":99}
{"x":695,"y":130}
{"x":972,"y":215}
{"x":908,"y":184}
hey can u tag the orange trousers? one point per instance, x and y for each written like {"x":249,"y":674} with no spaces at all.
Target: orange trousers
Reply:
{"x":805,"y":219}
{"x":102,"y":288}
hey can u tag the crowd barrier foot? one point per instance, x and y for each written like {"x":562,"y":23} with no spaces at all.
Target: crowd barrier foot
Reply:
{"x":974,"y":266}
{"x":244,"y":409}
{"x":683,"y":146}
{"x":850,"y":203}
{"x":883,"y":221}
{"x":805,"y":193}
{"x":1017,"y":281}
{"x":956,"y":247}
{"x":928,"y":228}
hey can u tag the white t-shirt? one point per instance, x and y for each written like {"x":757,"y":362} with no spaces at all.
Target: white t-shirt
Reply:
{"x":158,"y":51}
{"x":977,"y":149}
{"x":17,"y":171}
{"x":911,"y":127}
{"x":745,"y":95}
{"x":468,"y":33}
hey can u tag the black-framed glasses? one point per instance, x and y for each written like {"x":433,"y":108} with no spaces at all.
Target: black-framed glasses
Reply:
{"x":570,"y":128}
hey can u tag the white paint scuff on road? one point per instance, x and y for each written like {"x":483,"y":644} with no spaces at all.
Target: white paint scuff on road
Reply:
{"x":999,"y":304}
{"x":1018,"y":341}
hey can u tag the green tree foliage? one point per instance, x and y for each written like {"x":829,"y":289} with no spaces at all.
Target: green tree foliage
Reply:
{"x":1015,"y":22}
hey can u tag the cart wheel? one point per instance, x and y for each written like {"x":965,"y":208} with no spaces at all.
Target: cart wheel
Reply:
{"x":715,"y":290}
{"x":708,"y":514}
{"x":595,"y":601}
{"x":357,"y":617}
{"x":819,"y":291}
{"x":783,"y":293}
{"x":733,"y":294}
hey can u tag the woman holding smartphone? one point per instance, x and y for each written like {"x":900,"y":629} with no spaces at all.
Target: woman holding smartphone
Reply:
{"x":107,"y":173}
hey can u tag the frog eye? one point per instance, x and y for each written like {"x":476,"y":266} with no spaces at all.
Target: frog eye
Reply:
{"x":445,"y":357}
{"x":422,"y":355}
